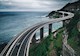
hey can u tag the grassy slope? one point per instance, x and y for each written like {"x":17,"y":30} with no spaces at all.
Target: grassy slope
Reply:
{"x":58,"y":43}
{"x":43,"y":48}
{"x":73,"y":39}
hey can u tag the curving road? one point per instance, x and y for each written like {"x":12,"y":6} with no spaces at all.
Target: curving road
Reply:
{"x":19,"y":46}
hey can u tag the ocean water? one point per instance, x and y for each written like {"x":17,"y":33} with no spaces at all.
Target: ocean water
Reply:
{"x":12,"y":23}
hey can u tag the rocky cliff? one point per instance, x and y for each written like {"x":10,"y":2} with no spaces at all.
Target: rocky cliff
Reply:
{"x":75,"y":6}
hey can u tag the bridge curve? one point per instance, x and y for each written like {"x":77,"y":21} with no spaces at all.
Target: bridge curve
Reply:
{"x":19,"y":46}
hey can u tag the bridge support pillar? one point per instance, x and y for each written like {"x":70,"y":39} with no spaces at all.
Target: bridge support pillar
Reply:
{"x":50,"y":28}
{"x":41,"y":33}
{"x":65,"y":22}
{"x":63,"y":15}
{"x":34,"y":39}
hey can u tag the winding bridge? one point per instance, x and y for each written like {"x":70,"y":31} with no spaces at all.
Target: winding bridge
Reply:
{"x":19,"y":46}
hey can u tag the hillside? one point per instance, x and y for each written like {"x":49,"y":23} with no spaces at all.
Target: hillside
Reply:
{"x":73,"y":7}
{"x":73,"y":26}
{"x":74,"y":34}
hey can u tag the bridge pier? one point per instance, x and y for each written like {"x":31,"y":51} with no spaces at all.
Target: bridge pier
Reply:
{"x":34,"y":39}
{"x":50,"y":28}
{"x":41,"y":33}
{"x":65,"y":22}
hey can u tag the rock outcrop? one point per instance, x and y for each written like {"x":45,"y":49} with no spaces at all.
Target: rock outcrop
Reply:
{"x":75,"y":6}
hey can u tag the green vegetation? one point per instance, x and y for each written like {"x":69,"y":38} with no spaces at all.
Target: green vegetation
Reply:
{"x":50,"y":14}
{"x":54,"y":15}
{"x":73,"y":38}
{"x":73,"y":24}
{"x":58,"y":43}
{"x":74,"y":34}
{"x":44,"y":49}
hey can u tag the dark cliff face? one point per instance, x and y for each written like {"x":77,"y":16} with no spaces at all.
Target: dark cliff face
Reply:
{"x":50,"y":14}
{"x":75,"y":6}
{"x":71,"y":7}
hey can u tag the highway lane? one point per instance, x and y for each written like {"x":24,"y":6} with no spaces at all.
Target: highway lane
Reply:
{"x":25,"y":41}
{"x":23,"y":45}
{"x":25,"y":37}
{"x":15,"y":48}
